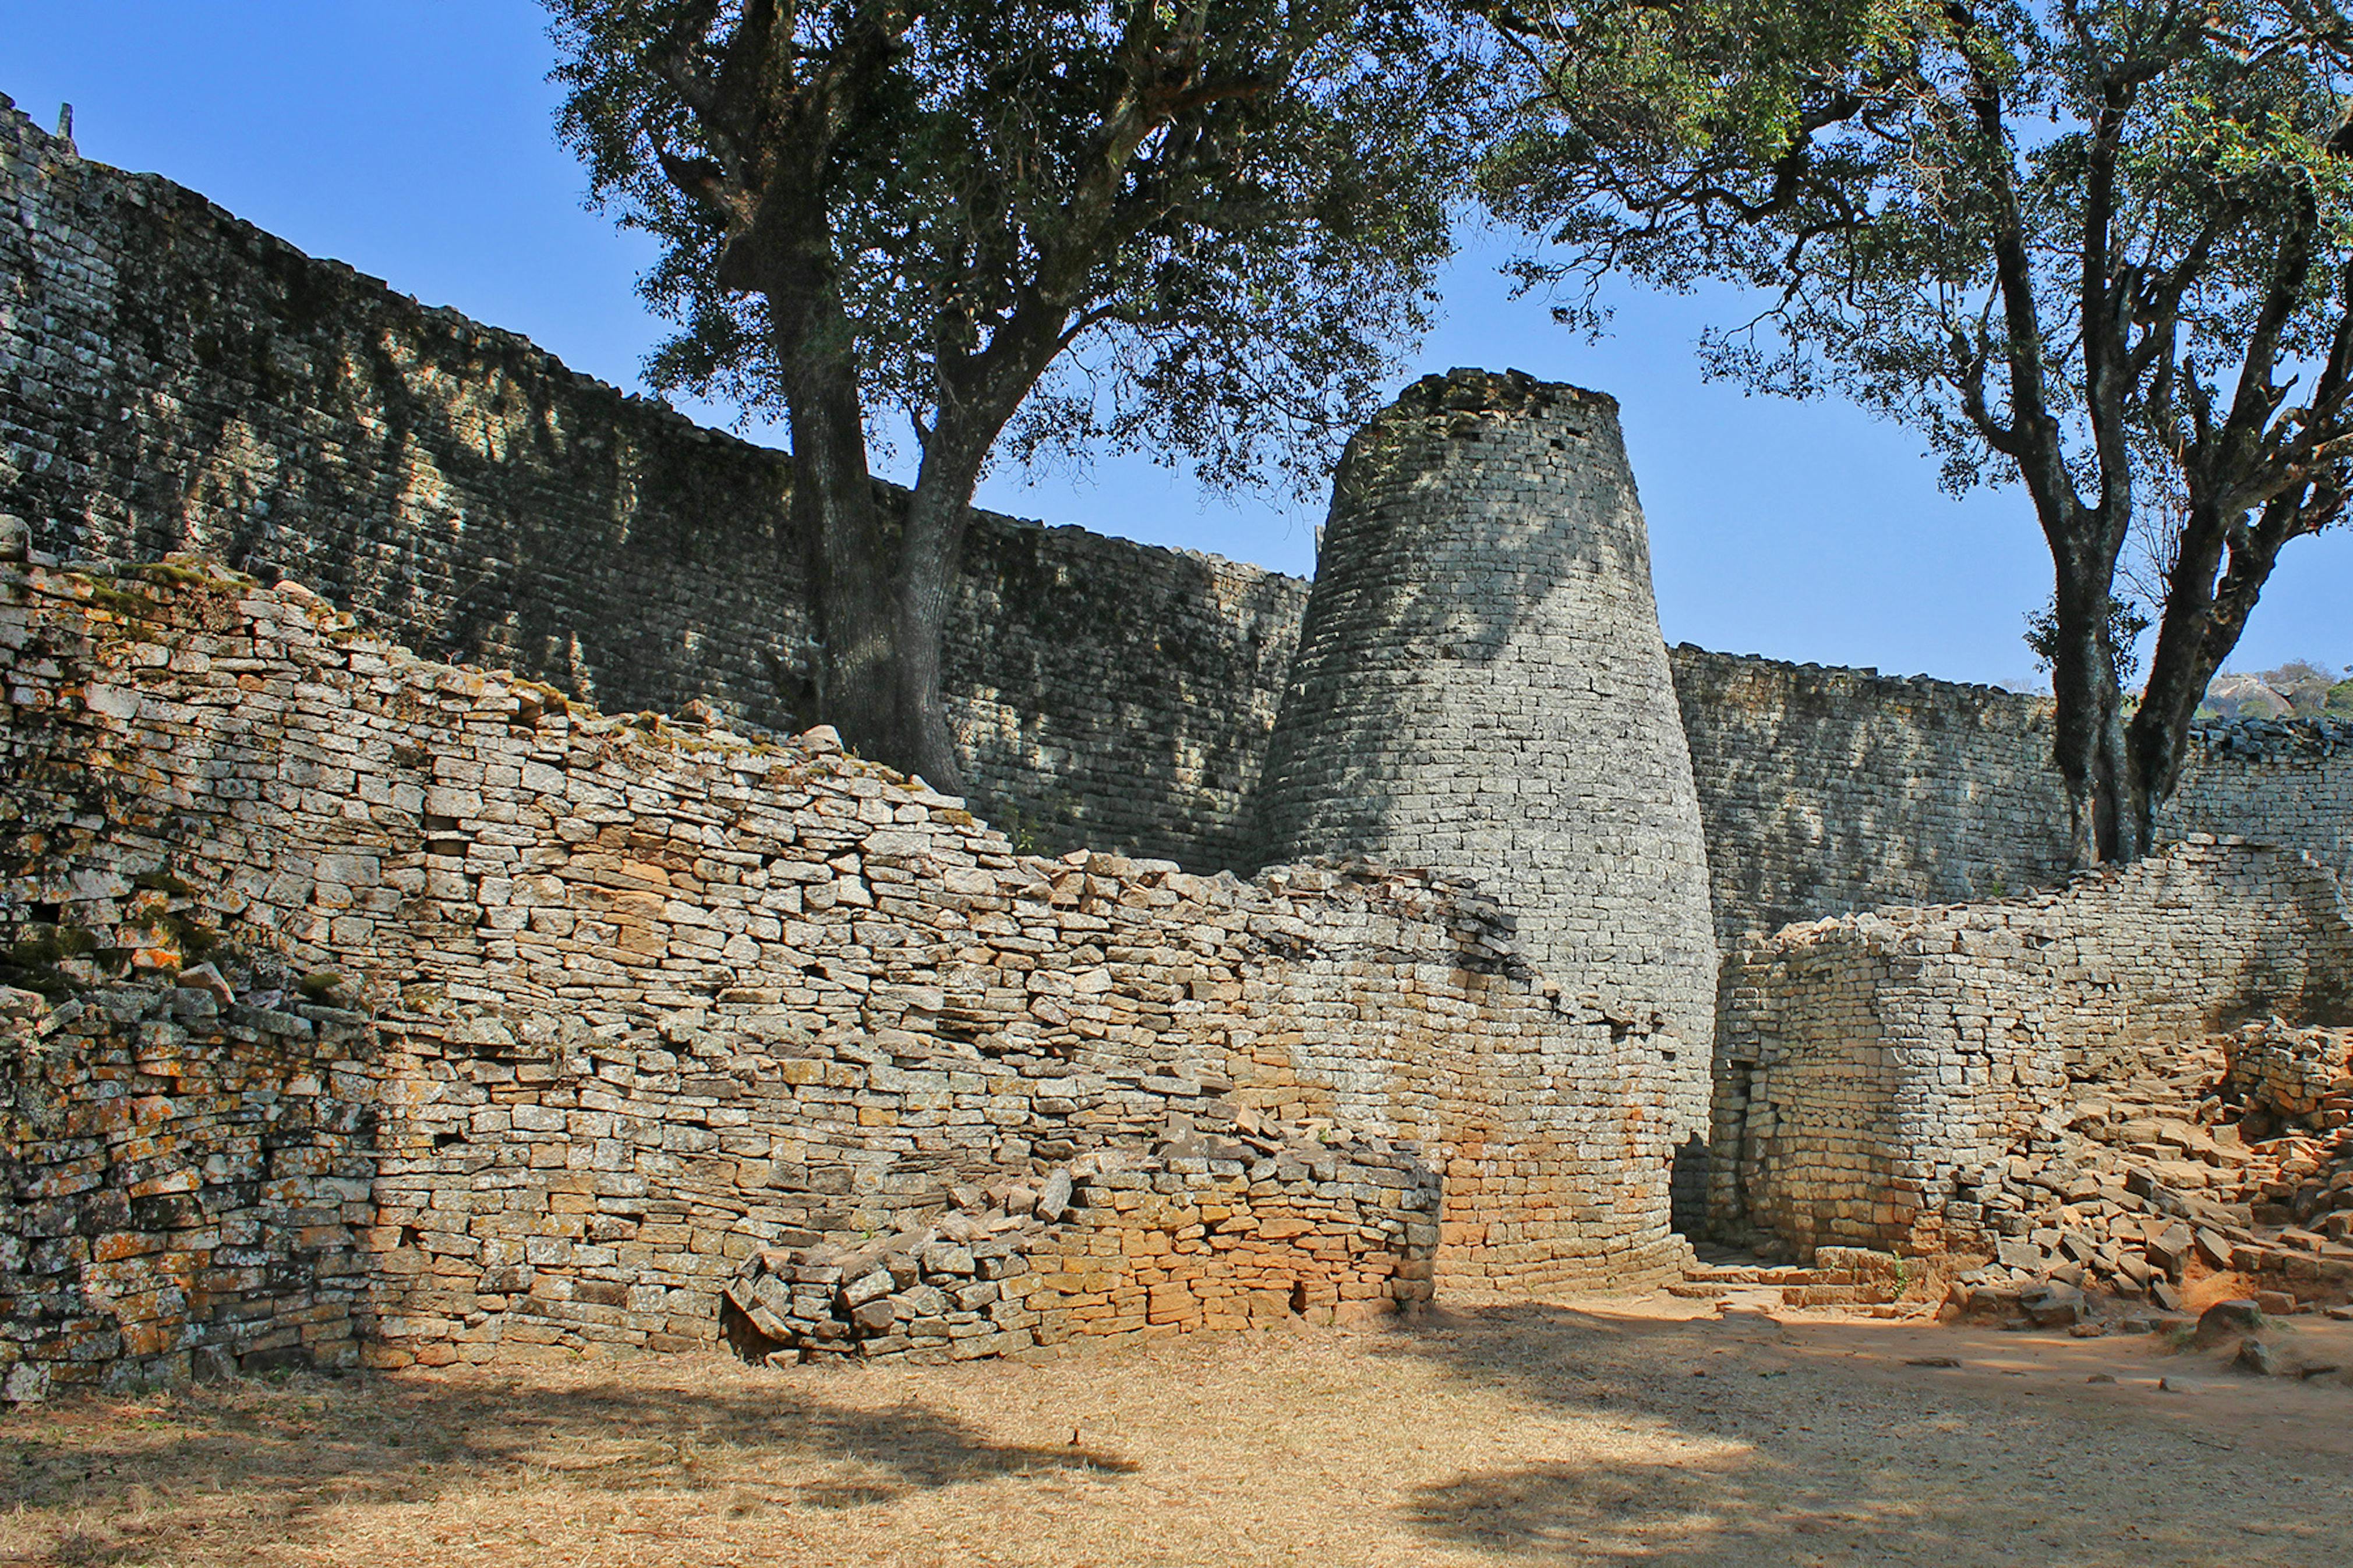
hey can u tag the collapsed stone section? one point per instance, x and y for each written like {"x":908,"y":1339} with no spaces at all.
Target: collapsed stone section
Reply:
{"x":1932,"y":1081}
{"x":2178,"y":1163}
{"x":1481,"y":687}
{"x":605,"y":1006}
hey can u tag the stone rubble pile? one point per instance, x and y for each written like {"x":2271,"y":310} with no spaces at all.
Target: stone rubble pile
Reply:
{"x":2281,"y":1075}
{"x":942,"y":1283}
{"x":1903,"y":1080}
{"x":2233,"y":1155}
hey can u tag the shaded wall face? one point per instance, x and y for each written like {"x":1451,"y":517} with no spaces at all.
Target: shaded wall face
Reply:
{"x":1832,"y":791}
{"x":1828,"y":791}
{"x":622,"y":1001}
{"x":172,"y":379}
{"x":2277,"y":784}
{"x":1873,"y":1072}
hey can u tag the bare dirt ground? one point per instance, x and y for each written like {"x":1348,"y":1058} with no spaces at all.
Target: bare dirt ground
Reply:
{"x":1594,"y":1432}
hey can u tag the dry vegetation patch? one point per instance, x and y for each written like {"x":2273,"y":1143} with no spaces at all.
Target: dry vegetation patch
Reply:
{"x":1594,"y":1433}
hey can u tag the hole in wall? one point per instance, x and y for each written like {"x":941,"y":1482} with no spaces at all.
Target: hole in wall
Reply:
{"x":1687,"y":1186}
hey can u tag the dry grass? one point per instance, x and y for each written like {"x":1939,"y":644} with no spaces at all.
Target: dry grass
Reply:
{"x":1601,"y":1435}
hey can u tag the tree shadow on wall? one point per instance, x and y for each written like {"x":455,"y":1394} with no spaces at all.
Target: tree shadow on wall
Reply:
{"x":1105,"y":690}
{"x":1828,"y":791}
{"x":276,"y":1458}
{"x":2302,"y":971}
{"x":466,"y":494}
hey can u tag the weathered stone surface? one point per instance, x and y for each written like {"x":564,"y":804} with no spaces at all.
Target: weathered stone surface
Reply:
{"x":1829,"y":792}
{"x":2225,"y":1320}
{"x":1480,"y":687}
{"x":172,"y":379}
{"x":2051,"y":1306}
{"x":1145,"y":1244}
{"x":1941,"y":1079}
{"x":588,"y":1010}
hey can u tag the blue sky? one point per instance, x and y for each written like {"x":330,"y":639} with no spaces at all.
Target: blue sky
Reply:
{"x":413,"y":139}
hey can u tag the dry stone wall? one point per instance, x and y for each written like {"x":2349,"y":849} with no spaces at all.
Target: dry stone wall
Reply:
{"x":1834,"y":791}
{"x":172,"y":378}
{"x":189,"y":1187}
{"x":2275,"y":783}
{"x":1830,"y":791}
{"x":1481,"y":687}
{"x":607,"y":1005}
{"x":1876,"y":1074}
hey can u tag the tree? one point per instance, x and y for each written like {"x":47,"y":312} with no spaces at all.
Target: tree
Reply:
{"x":2103,"y":249}
{"x":1190,"y":226}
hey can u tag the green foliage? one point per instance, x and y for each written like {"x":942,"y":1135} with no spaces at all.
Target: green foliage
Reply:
{"x":1229,"y":216}
{"x":2104,"y":252}
{"x":2340,"y":698}
{"x":2126,"y":621}
{"x":1840,"y":158}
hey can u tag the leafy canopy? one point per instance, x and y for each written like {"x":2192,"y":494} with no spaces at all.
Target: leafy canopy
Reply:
{"x":1235,"y":210}
{"x":1839,"y":157}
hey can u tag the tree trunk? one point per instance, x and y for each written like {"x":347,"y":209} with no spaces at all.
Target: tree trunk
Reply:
{"x":977,"y":394}
{"x":2199,"y":628}
{"x":2087,"y":739}
{"x":834,"y":513}
{"x":928,"y":552}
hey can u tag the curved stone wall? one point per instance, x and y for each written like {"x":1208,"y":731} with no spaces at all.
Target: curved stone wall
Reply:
{"x":1876,"y":1072}
{"x":1481,"y":688}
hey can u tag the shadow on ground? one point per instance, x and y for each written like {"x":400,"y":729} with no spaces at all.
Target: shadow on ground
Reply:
{"x":1519,"y":1435}
{"x":1745,"y":1440}
{"x":284,"y":1446}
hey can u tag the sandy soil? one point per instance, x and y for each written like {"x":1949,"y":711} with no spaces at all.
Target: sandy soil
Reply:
{"x":1575,"y":1433}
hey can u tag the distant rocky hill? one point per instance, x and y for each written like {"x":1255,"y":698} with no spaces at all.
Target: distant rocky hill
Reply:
{"x":2296,"y":690}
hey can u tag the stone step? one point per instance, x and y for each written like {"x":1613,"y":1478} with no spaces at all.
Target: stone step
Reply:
{"x":1748,"y":1274}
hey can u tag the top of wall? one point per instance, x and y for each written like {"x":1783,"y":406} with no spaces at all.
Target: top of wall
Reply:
{"x":178,"y":380}
{"x":2289,"y":876}
{"x":161,"y":191}
{"x":1865,"y":685}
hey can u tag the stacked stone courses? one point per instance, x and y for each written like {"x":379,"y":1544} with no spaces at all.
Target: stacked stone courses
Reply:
{"x":1875,"y":1073}
{"x":1481,"y":687}
{"x":173,"y":379}
{"x":604,"y":1005}
{"x":1836,"y":791}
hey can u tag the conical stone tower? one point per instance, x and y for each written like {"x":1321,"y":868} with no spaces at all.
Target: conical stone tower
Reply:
{"x":1480,"y":687}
